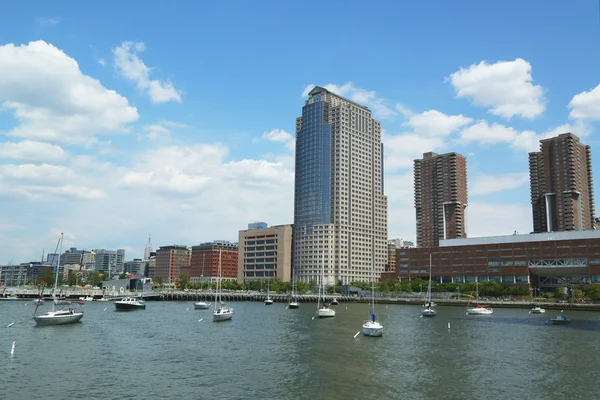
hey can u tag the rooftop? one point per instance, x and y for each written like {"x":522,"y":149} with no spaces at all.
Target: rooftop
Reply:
{"x":521,"y":238}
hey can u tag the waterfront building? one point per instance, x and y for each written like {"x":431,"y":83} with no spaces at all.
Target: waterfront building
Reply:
{"x":340,"y":211}
{"x":440,"y":197}
{"x":108,"y":262}
{"x":542,"y":260}
{"x":265,"y":253}
{"x":171,"y":261}
{"x":257,"y":225}
{"x":562,"y":192}
{"x":393,"y":245}
{"x":205,"y":261}
{"x":70,"y":257}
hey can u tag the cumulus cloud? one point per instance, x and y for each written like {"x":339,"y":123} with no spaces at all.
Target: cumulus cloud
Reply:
{"x":505,"y":87}
{"x":436,"y":123}
{"x":586,"y":105}
{"x":53,"y":101}
{"x":33,"y":151}
{"x":402,"y":149}
{"x":482,"y":184}
{"x":131,"y":67}
{"x":281,"y":136}
{"x":361,"y":96}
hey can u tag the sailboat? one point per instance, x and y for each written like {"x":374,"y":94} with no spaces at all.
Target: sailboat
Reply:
{"x":372,"y":327}
{"x":58,"y":316}
{"x":221,"y":313}
{"x":479,"y":309}
{"x":323,"y":311}
{"x":294,"y":301}
{"x":202,"y":305}
{"x":269,"y":300}
{"x":429,"y":311}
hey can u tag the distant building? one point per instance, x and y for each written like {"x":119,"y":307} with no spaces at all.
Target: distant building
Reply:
{"x":52,"y":258}
{"x":128,"y":285}
{"x":205,"y":261}
{"x":265,"y":253}
{"x":171,"y":261}
{"x":148,"y":250}
{"x":562,"y":191}
{"x":71,"y":257}
{"x":109,"y":262}
{"x":440,"y":197}
{"x":135,"y":267}
{"x":257,"y":225}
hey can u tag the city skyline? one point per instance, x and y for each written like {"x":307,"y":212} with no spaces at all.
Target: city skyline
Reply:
{"x":126,"y":130}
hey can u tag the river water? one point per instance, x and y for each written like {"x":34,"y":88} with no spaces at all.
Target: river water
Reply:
{"x":171,"y":350}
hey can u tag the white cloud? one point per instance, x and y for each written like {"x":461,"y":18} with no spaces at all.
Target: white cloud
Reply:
{"x":435,"y":123}
{"x":281,"y":136}
{"x":483,"y":184}
{"x":157,"y":133}
{"x":48,"y":21}
{"x":53,"y":101}
{"x":586,"y":105}
{"x":505,"y":87}
{"x":361,"y":96}
{"x":407,"y":112}
{"x":28,"y":150}
{"x":492,"y":219}
{"x":482,"y":132}
{"x":400,"y":150}
{"x":131,"y":67}
{"x":102,"y":61}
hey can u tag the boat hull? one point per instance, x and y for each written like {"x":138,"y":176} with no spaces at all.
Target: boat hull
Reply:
{"x":294,"y":305}
{"x":537,"y":311}
{"x":268,"y":302}
{"x":202,"y":306}
{"x":50,"y":319}
{"x":373,"y":329}
{"x":222,"y":315}
{"x":480,"y":311}
{"x":428,"y":312}
{"x":129,"y":307}
{"x":326,"y":313}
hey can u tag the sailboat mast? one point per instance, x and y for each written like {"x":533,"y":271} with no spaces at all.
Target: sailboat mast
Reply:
{"x":57,"y":269}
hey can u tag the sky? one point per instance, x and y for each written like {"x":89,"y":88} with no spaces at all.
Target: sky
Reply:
{"x":177,"y":120}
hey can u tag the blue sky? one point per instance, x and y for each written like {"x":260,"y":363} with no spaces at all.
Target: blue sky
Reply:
{"x":177,"y":119}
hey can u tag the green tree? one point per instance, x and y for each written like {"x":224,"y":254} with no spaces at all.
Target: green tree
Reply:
{"x":158,"y":281}
{"x":592,"y":291}
{"x":560,"y":293}
{"x":122,"y":275}
{"x":181,"y":282}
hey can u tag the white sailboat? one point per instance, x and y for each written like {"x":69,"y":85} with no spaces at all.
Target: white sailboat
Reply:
{"x":60,"y":316}
{"x":429,"y":311}
{"x":202,"y":305}
{"x":221,"y":313}
{"x":372,"y":327}
{"x":269,"y":300}
{"x":479,"y":309}
{"x":323,"y":311}
{"x":294,"y":303}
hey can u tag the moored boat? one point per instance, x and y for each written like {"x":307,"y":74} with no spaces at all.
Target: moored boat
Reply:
{"x":559,"y":320}
{"x":537,"y":310}
{"x":130,"y":304}
{"x":202,"y":305}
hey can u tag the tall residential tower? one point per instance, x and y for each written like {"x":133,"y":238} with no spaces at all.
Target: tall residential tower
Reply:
{"x":562,"y":192}
{"x":340,"y":211}
{"x":440,"y":198}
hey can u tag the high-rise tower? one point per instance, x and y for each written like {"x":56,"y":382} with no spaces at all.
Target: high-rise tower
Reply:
{"x":562,"y":192}
{"x":147,"y":250}
{"x":340,"y":211}
{"x":440,"y":198}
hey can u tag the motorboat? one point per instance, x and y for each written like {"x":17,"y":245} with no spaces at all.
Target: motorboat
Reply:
{"x":202,"y":305}
{"x":130,"y":304}
{"x":480,"y":310}
{"x":537,"y":310}
{"x":87,"y":298}
{"x":559,"y":320}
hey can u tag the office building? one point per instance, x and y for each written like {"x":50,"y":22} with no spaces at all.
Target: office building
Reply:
{"x":258,"y":225}
{"x":340,"y":211}
{"x":205,"y":261}
{"x":108,"y":262}
{"x":440,"y":198}
{"x":562,"y":192}
{"x":265,"y":253}
{"x":171,"y":261}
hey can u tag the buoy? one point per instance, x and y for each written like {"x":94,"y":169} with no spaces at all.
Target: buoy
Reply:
{"x":448,"y":325}
{"x":200,"y":319}
{"x":356,"y":334}
{"x":12,"y":350}
{"x":9,"y":325}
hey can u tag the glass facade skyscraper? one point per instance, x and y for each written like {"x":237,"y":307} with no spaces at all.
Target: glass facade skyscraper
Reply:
{"x":340,"y":212}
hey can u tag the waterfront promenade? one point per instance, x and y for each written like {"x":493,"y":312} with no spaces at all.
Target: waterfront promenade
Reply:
{"x":400,"y":298}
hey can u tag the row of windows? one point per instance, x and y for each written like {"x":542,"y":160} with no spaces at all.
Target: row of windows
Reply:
{"x":261,"y":266}
{"x":255,"y":242}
